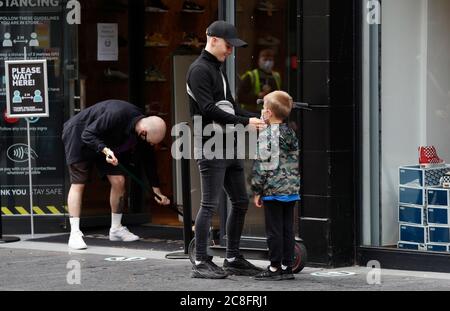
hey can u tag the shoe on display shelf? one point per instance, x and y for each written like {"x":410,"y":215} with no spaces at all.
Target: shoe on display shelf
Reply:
{"x":428,"y":157}
{"x":115,"y":74}
{"x":445,"y":181}
{"x":156,"y":6}
{"x":156,"y":40}
{"x":192,"y":40}
{"x":152,"y":74}
{"x":192,"y":7}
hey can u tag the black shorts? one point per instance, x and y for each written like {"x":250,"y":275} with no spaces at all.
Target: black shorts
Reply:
{"x":81,"y":172}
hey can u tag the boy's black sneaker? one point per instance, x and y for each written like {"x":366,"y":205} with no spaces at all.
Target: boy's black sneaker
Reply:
{"x":287,"y":274}
{"x":208,"y":270}
{"x":240,"y":266}
{"x":268,"y":275}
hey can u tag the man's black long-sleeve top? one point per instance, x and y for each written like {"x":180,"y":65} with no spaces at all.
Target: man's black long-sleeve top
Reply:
{"x":111,"y":124}
{"x":205,"y":80}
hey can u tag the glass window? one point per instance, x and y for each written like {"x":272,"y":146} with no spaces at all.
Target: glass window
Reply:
{"x":38,"y":31}
{"x":259,"y":69}
{"x":406,"y":114}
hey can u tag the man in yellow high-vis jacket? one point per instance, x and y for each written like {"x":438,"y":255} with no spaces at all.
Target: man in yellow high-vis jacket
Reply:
{"x":257,"y":83}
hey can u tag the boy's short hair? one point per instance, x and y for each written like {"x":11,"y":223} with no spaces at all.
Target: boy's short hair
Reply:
{"x":280,"y":103}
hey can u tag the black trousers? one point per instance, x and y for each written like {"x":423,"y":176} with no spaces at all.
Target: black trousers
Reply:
{"x":279,"y":217}
{"x":217,"y":175}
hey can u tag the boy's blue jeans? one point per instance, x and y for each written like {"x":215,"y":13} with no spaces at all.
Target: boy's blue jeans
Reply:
{"x":216,"y":175}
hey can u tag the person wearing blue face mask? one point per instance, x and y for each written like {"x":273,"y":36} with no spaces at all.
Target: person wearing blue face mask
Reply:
{"x":257,"y":83}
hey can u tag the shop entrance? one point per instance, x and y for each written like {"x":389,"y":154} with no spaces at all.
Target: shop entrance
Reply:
{"x":100,"y":48}
{"x":149,"y":35}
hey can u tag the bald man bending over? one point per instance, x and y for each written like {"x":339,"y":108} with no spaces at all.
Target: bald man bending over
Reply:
{"x":106,"y":134}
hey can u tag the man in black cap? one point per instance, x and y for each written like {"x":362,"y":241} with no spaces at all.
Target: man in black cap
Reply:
{"x":207,"y":85}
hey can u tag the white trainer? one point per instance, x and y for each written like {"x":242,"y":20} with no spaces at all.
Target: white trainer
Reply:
{"x":76,"y":241}
{"x":122,"y":234}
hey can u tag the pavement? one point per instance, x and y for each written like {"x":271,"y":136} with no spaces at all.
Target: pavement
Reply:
{"x":42,"y":266}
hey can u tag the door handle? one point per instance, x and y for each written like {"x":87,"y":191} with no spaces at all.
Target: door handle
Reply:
{"x":77,"y":103}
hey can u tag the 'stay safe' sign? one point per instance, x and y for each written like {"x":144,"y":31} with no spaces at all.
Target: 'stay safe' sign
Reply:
{"x":26,"y":89}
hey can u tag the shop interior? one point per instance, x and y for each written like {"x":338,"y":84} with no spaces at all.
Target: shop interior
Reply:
{"x":150,"y":34}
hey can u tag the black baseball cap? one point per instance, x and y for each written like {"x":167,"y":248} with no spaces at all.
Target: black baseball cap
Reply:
{"x":226,"y":31}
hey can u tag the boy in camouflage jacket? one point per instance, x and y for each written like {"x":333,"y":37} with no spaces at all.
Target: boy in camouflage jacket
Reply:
{"x":276,"y":184}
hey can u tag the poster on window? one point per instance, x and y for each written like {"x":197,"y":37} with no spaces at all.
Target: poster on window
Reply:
{"x":36,"y":30}
{"x":26,"y":89}
{"x":108,"y":42}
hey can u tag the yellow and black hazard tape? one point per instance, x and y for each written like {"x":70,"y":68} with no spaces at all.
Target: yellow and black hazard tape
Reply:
{"x":37,"y":211}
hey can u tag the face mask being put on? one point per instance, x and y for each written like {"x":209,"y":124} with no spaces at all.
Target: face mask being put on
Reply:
{"x":267,"y":65}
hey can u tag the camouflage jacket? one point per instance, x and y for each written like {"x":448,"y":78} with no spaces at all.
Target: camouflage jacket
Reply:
{"x":276,"y":168}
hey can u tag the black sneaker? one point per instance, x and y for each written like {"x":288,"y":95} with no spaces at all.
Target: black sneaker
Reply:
{"x":214,"y":266}
{"x":287,"y":274}
{"x":240,"y":266}
{"x":208,"y":270}
{"x":268,"y":275}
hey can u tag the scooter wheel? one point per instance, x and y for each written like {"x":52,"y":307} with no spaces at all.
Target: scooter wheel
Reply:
{"x":191,"y":251}
{"x":300,"y":257}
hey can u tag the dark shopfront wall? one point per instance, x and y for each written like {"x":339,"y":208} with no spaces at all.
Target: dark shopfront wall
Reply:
{"x":327,"y":220}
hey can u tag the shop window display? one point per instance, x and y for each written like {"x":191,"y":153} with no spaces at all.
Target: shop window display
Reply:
{"x":406,"y":113}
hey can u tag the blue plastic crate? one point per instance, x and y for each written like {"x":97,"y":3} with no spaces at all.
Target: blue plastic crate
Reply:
{"x":412,"y":246}
{"x":438,"y":197}
{"x":413,"y":233}
{"x":411,"y":195}
{"x":439,"y":234}
{"x":416,"y":176}
{"x":434,"y":247}
{"x":412,"y":215}
{"x":438,"y":215}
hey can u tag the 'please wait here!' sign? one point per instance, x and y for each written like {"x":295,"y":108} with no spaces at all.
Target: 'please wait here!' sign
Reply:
{"x":26,"y":88}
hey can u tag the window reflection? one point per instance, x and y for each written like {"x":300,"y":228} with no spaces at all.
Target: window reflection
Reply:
{"x":260,"y":69}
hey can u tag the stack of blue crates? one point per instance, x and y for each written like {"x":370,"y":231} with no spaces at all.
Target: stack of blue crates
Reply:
{"x":438,"y":219}
{"x":423,"y":209}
